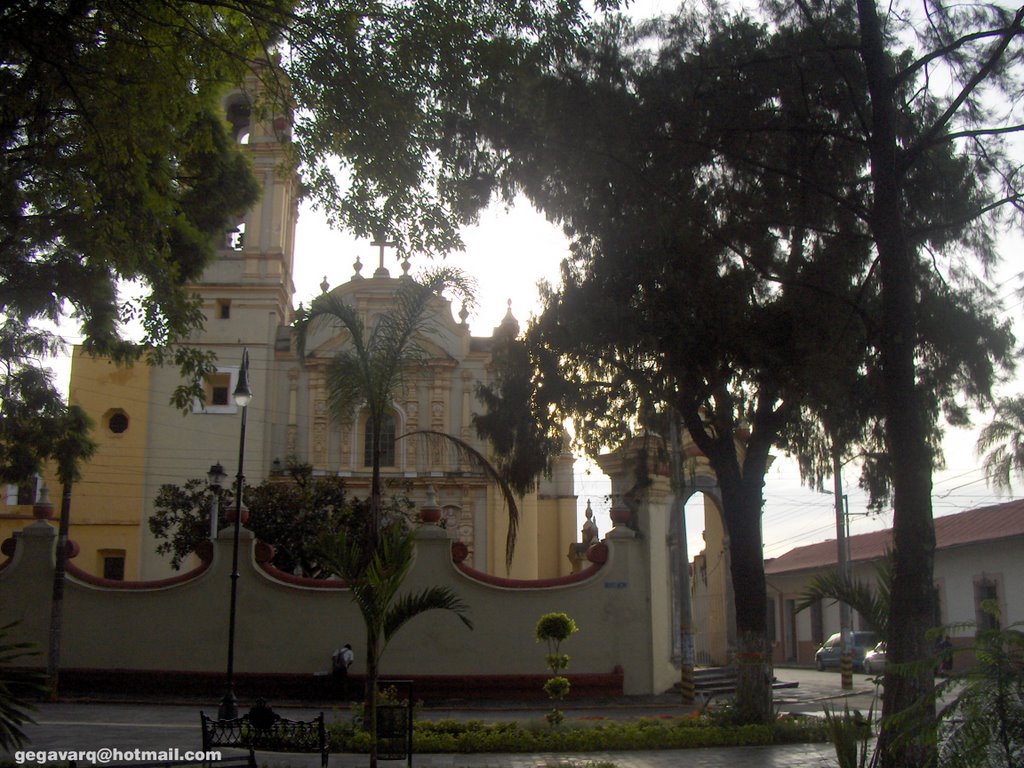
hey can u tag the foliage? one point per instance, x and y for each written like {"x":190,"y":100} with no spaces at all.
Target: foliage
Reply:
{"x":554,"y":629}
{"x":727,"y":250}
{"x":872,"y":604}
{"x":118,"y":167}
{"x":31,"y":408}
{"x":523,"y":444}
{"x":1002,"y":442}
{"x":405,"y":81}
{"x":375,"y":567}
{"x":16,"y":686}
{"x":850,"y":733}
{"x":984,"y":724}
{"x":475,"y":736}
{"x":291,"y":514}
{"x":711,"y":310}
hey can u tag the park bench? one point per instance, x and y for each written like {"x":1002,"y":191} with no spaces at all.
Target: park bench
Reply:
{"x":263,"y":729}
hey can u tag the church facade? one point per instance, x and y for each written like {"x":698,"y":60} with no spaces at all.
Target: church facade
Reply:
{"x":247,"y":298}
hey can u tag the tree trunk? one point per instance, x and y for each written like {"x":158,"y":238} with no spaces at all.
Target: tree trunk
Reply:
{"x":742,"y":502}
{"x":908,"y":726}
{"x":57,"y":601}
{"x":371,"y":695}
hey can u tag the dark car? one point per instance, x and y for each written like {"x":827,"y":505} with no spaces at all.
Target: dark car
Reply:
{"x":874,"y":660}
{"x":828,"y":654}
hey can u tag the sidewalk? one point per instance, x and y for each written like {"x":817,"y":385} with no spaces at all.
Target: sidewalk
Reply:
{"x":160,"y":726}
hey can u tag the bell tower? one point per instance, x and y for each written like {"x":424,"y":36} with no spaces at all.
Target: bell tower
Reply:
{"x":247,"y":290}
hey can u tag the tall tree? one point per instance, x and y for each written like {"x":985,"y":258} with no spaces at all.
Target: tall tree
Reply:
{"x":710,"y":172}
{"x":913,"y":129}
{"x":699,"y":285}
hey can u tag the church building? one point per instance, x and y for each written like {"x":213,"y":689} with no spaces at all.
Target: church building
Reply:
{"x":247,"y":296}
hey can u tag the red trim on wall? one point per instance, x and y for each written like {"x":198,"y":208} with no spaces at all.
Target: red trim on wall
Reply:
{"x":301,"y":581}
{"x":99,"y":581}
{"x":501,"y":581}
{"x":319,"y":688}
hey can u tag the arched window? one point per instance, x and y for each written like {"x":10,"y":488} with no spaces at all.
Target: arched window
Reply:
{"x":387,"y":441}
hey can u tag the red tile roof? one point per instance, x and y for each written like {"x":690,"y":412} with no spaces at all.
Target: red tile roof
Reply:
{"x":1000,"y":521}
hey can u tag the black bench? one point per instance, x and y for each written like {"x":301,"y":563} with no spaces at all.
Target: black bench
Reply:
{"x":262,"y":728}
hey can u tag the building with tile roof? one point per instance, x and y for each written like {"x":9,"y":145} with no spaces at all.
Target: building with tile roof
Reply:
{"x":979,"y":556}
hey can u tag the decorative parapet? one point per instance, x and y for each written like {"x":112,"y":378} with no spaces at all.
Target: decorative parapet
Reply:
{"x":303,"y":582}
{"x":597,"y":555}
{"x":88,"y":579}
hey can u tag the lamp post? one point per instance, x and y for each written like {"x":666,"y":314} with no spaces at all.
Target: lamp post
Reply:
{"x":242,"y":396}
{"x":215,"y":477}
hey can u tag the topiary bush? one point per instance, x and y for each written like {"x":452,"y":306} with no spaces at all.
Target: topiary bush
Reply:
{"x":553,"y":629}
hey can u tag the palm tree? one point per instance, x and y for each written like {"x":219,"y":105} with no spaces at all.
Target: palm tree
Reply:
{"x":1004,"y":441}
{"x":374,"y":574}
{"x":871,"y":604}
{"x":375,"y":367}
{"x":370,"y":372}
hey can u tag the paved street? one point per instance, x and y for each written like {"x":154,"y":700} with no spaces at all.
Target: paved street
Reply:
{"x":161,"y":726}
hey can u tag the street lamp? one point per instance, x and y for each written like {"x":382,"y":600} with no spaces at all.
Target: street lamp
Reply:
{"x":215,"y":477}
{"x":242,"y":397}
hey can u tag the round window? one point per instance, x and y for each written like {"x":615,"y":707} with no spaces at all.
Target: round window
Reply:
{"x":118,"y":422}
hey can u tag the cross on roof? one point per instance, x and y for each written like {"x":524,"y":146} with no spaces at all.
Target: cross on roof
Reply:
{"x":381,"y":241}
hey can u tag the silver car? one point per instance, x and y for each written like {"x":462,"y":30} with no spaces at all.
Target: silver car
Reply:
{"x":874,"y":660}
{"x":830,"y":651}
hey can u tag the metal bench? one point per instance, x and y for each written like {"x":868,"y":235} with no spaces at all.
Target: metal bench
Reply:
{"x":263,"y":729}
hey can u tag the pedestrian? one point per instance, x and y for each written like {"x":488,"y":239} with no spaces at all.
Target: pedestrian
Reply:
{"x":944,"y":650}
{"x":341,"y":660}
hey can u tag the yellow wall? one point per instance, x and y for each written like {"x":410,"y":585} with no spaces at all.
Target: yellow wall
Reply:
{"x":107,"y":502}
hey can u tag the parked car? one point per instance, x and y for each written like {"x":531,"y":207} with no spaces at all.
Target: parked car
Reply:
{"x":874,"y":660}
{"x":829,"y":653}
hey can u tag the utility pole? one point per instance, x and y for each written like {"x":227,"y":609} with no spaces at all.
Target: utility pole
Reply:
{"x":845,"y":630}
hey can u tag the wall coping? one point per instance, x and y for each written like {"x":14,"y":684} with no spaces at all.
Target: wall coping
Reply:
{"x":503,"y":582}
{"x":303,"y":582}
{"x":87,"y":579}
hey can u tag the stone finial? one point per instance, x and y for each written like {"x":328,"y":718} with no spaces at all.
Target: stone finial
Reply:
{"x":324,"y":285}
{"x":509,"y":325}
{"x":464,"y":314}
{"x":357,"y":267}
{"x":589,"y":531}
{"x":405,"y":268}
